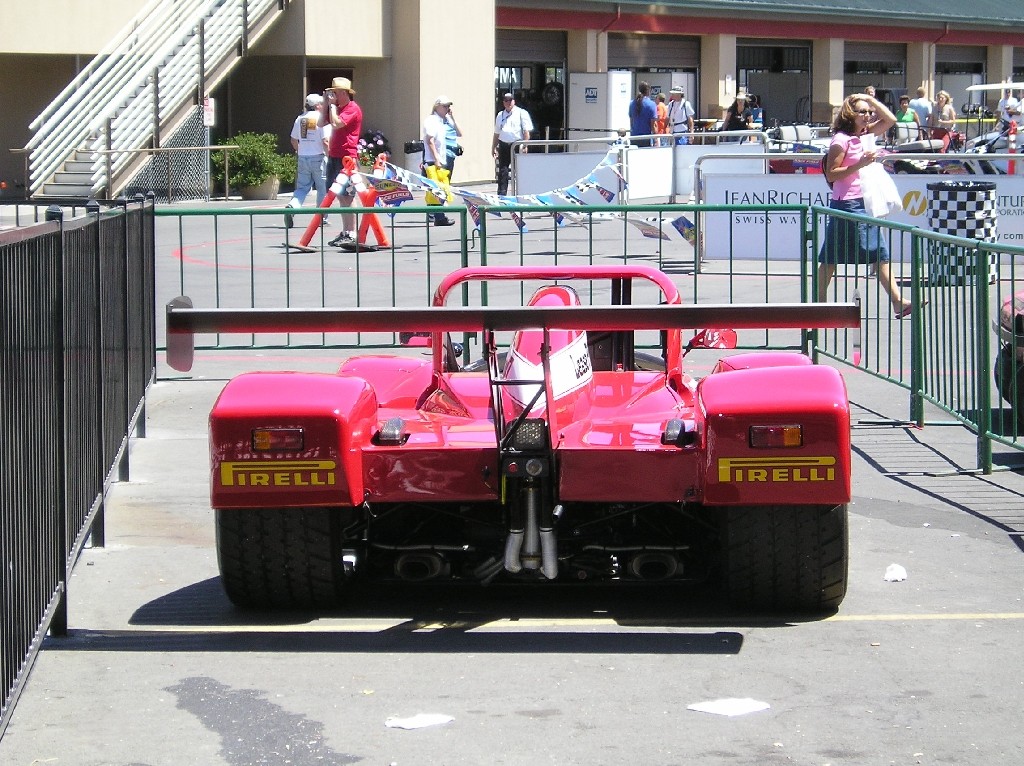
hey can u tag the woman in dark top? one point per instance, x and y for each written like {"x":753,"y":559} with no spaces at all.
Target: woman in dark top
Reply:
{"x":737,"y":117}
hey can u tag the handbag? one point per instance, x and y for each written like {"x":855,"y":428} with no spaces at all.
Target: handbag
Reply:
{"x":881,"y":197}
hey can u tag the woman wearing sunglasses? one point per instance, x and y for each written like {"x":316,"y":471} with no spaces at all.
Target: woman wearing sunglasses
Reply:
{"x":860,"y":120}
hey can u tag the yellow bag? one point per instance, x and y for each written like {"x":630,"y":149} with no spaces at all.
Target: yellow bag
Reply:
{"x":441,"y":176}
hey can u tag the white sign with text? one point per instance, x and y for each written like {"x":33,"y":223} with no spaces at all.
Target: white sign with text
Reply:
{"x":727,"y":232}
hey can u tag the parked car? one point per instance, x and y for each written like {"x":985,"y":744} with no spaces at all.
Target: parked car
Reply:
{"x":563,"y":455}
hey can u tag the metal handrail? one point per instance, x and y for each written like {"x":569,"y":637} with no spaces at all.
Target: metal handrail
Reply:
{"x":109,"y":86}
{"x":154,"y":14}
{"x":150,"y":70}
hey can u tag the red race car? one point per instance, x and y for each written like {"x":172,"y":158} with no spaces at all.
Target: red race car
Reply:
{"x":563,"y":454}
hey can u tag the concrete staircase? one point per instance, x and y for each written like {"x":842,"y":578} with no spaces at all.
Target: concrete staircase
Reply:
{"x":96,"y":135}
{"x":74,"y":180}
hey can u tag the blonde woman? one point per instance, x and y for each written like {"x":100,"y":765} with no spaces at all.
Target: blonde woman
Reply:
{"x":945,"y":114}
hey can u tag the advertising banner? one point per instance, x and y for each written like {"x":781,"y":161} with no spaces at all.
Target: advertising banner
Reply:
{"x":728,"y":230}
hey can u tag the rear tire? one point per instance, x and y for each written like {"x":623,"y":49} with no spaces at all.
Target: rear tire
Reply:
{"x":280,"y":557}
{"x":786,"y":557}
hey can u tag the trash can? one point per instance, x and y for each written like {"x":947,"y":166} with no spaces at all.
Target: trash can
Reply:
{"x":961,"y":209}
{"x":414,"y":157}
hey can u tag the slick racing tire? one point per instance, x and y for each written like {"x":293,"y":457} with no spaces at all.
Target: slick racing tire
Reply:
{"x":1007,"y":371}
{"x":280,"y":557}
{"x":782,"y":558}
{"x":551,"y":94}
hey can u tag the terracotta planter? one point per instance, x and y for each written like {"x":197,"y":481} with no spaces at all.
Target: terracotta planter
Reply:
{"x":266,"y":190}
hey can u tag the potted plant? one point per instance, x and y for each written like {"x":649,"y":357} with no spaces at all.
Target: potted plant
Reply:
{"x":255,"y":169}
{"x":372,"y":144}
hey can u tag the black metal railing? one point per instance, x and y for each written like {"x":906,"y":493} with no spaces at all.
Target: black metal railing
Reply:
{"x":77,"y":352}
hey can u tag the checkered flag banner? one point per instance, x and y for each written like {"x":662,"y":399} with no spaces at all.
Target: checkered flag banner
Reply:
{"x":589,"y":190}
{"x":964,"y":209}
{"x":598,"y":187}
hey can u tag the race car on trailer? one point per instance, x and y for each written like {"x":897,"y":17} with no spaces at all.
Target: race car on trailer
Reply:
{"x":566,"y":454}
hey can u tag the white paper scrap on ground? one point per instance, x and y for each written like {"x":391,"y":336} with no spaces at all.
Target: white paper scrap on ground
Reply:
{"x":895,"y":573}
{"x":730,"y":706}
{"x":418,"y":721}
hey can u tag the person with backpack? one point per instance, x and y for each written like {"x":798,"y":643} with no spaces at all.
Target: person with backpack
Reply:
{"x":680,"y":115}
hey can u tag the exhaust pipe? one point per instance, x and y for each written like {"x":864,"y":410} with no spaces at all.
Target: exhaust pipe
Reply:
{"x":549,"y":545}
{"x":548,"y":553}
{"x":653,"y":566}
{"x":419,"y":567}
{"x":513,"y":545}
{"x":531,"y":542}
{"x":488,"y":570}
{"x":530,"y":557}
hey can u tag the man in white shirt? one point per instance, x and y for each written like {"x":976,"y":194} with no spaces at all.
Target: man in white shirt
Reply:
{"x":680,"y":115}
{"x":1009,"y":109}
{"x":511,"y":124}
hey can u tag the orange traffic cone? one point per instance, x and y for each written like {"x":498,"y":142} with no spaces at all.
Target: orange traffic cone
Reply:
{"x":314,"y":225}
{"x":367,"y":198}
{"x":1011,"y":138}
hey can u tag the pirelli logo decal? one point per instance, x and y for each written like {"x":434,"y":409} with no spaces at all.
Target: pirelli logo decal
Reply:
{"x":775,"y":470}
{"x":279,"y":473}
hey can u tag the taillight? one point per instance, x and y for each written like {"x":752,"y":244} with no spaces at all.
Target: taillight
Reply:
{"x":774,"y":437}
{"x":268,"y":439}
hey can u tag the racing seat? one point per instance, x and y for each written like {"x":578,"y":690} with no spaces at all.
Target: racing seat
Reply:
{"x":568,"y":359}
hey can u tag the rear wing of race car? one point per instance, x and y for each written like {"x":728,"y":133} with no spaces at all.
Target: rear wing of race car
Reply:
{"x":184,"y":321}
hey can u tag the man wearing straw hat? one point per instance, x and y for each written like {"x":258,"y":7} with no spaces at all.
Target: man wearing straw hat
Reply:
{"x":343,"y":114}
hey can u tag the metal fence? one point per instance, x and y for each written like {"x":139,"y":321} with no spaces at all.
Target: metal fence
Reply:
{"x":77,"y":352}
{"x":80,"y":326}
{"x":245,"y":258}
{"x":943,"y":353}
{"x":180,"y":168}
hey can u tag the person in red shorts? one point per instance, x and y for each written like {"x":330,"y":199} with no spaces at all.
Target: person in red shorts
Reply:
{"x":344,"y":115}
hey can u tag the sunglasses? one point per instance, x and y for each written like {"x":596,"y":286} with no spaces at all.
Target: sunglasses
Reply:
{"x":863,"y":111}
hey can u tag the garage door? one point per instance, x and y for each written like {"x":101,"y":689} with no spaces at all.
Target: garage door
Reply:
{"x":653,"y":52}
{"x":529,"y":46}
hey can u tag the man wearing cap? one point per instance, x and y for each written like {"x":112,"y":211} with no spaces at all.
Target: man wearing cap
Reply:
{"x":510,"y":124}
{"x":309,"y":141}
{"x":435,"y":153}
{"x":680,"y":115}
{"x":343,"y":114}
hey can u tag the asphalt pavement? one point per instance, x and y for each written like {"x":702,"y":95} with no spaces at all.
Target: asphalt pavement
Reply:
{"x":159,"y":669}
